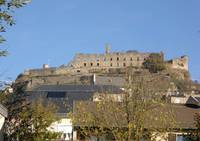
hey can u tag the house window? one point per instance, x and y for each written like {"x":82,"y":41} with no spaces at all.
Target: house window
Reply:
{"x":56,"y":95}
{"x":124,"y":64}
{"x":91,"y":64}
{"x":85,"y":64}
{"x":117,"y":58}
{"x":97,"y":64}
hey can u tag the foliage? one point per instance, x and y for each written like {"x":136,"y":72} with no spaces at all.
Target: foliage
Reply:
{"x":6,"y":19}
{"x":154,"y":63}
{"x":28,"y":121}
{"x":140,"y":109}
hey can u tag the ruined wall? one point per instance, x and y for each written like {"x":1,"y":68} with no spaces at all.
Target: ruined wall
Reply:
{"x":109,"y":60}
{"x":180,"y":63}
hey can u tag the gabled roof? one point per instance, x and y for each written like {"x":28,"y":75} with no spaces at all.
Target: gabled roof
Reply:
{"x":193,"y":101}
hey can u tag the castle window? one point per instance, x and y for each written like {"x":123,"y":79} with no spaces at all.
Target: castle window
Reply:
{"x":85,"y":64}
{"x":124,"y":59}
{"x":110,"y":59}
{"x":111,"y":64}
{"x":138,"y":59}
{"x":117,"y":58}
{"x":131,"y":59}
{"x":124,"y":64}
{"x":91,"y":64}
{"x":97,"y":64}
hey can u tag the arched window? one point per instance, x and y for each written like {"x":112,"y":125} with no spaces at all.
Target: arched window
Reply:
{"x":97,"y":64}
{"x":117,"y":58}
{"x":124,"y":64}
{"x":91,"y":64}
{"x":85,"y":64}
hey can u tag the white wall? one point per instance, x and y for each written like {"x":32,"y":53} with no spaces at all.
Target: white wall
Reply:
{"x":64,"y":126}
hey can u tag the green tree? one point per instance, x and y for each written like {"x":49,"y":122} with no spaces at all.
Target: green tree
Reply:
{"x":28,"y":121}
{"x":154,"y":63}
{"x":6,"y":16}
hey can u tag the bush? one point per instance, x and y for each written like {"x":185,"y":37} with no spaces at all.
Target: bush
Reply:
{"x":154,"y":63}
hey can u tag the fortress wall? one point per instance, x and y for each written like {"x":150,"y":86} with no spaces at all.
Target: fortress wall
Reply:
{"x":109,"y":60}
{"x":180,"y":63}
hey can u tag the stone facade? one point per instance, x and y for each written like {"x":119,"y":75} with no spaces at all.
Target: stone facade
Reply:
{"x":179,"y":63}
{"x":109,"y":60}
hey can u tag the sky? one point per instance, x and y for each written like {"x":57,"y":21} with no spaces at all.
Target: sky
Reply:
{"x":52,"y":32}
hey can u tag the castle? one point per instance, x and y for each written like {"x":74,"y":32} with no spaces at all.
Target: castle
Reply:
{"x":84,"y":63}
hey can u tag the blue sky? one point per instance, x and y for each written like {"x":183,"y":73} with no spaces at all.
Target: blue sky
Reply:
{"x":48,"y":31}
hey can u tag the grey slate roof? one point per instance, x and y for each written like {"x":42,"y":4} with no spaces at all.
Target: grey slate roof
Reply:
{"x":79,"y":88}
{"x":64,"y":95}
{"x":192,"y":100}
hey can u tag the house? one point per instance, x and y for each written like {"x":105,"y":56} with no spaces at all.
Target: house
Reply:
{"x":63,"y":96}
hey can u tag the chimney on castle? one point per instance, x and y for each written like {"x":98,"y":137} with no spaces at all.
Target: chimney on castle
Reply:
{"x":107,"y":46}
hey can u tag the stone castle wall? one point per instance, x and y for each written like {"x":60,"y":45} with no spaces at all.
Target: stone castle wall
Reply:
{"x":109,"y":60}
{"x":179,"y":63}
{"x":89,"y":63}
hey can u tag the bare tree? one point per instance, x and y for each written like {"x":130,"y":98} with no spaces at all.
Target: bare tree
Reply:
{"x":142,"y":113}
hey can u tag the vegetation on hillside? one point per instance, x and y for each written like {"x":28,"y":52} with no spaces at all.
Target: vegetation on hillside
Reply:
{"x":154,"y":63}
